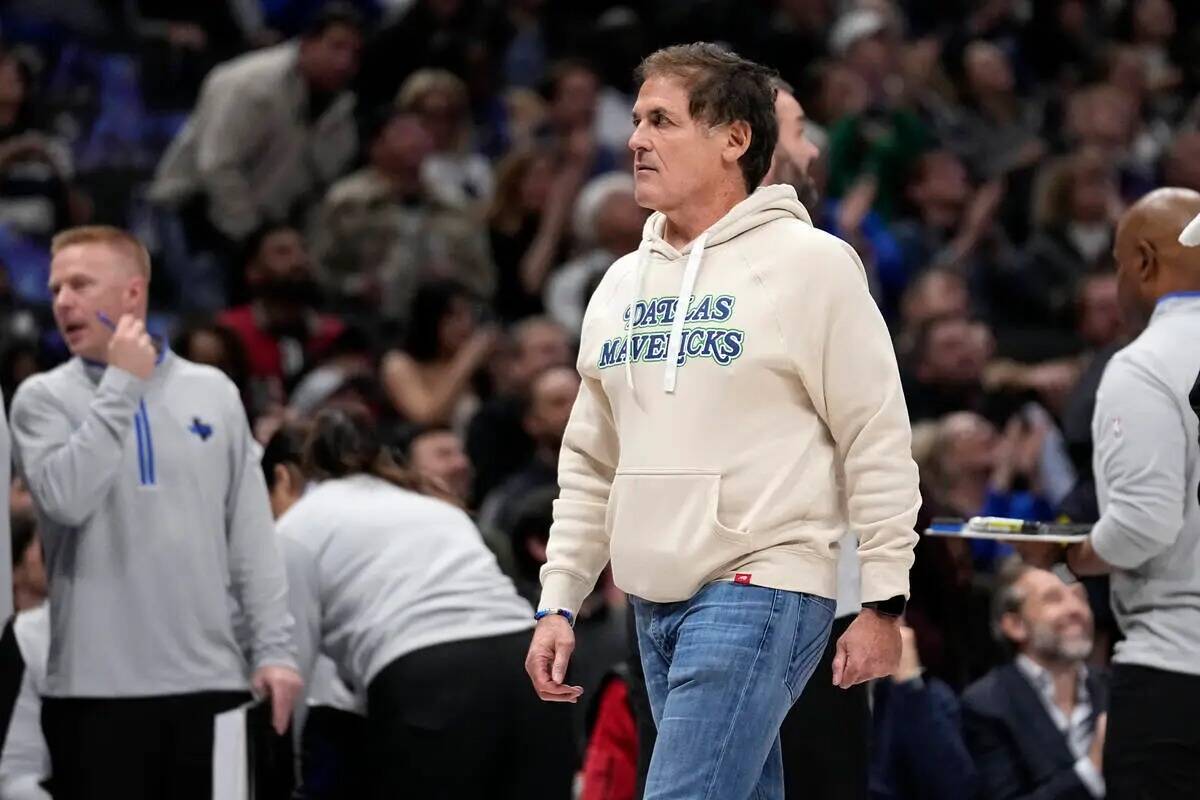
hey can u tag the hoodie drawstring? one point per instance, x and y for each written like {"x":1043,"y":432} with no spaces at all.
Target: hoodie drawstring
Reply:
{"x":675,"y":344}
{"x":638,"y":271}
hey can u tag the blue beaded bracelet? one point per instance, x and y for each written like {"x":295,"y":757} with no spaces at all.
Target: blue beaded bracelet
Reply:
{"x":562,"y":612}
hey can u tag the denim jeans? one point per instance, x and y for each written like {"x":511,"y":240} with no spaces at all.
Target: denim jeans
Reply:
{"x":722,"y":670}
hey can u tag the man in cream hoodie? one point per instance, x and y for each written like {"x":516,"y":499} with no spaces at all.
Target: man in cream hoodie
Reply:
{"x":716,"y":455}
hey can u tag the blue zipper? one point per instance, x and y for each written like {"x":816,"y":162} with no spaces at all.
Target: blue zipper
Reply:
{"x":141,"y":421}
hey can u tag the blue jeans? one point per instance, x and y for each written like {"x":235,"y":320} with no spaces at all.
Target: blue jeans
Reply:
{"x":722,"y":670}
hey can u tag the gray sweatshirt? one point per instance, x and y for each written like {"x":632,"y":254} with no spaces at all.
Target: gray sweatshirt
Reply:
{"x":1147,"y":466}
{"x":375,"y":572}
{"x":156,"y":527}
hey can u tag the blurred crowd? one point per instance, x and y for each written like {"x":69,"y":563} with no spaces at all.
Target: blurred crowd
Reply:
{"x":404,"y":205}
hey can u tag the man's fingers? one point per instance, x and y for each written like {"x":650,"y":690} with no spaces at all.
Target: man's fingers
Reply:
{"x":562,"y":657}
{"x":281,"y":711}
{"x":839,"y":663}
{"x":558,"y":693}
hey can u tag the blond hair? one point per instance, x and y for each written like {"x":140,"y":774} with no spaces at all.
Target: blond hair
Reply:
{"x":115,"y":238}
{"x":425,"y":82}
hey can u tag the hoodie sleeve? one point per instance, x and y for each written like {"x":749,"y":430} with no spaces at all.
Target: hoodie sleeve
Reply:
{"x":256,"y":567}
{"x":70,"y":470}
{"x":578,"y":548}
{"x":843,"y":351}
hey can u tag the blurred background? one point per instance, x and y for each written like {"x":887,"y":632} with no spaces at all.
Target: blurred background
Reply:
{"x":405,"y":205}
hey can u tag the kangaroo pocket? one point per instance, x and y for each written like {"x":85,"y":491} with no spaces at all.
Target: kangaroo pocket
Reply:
{"x":665,"y":537}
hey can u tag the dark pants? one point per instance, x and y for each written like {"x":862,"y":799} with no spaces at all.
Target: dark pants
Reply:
{"x":826,"y":734}
{"x":461,"y":720}
{"x":333,"y":748}
{"x":1152,"y":745}
{"x":133,"y":748}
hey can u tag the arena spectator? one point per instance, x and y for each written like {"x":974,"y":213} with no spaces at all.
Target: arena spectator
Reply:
{"x":28,"y":569}
{"x":455,"y":175}
{"x":382,"y":231}
{"x":608,"y":222}
{"x":270,"y":131}
{"x":946,"y":367}
{"x":36,"y":171}
{"x":437,"y":455}
{"x":281,"y":332}
{"x":429,"y":381}
{"x":529,"y":221}
{"x":25,"y":772}
{"x":497,"y":440}
{"x":551,"y":397}
{"x":1035,"y":726}
{"x":917,"y":751}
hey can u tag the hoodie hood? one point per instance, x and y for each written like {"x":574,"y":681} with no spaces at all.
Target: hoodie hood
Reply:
{"x":765,"y":204}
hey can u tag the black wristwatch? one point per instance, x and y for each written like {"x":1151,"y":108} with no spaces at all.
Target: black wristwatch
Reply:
{"x":892,"y":607}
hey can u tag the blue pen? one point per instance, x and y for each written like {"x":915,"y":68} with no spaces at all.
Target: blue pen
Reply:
{"x":108,"y":323}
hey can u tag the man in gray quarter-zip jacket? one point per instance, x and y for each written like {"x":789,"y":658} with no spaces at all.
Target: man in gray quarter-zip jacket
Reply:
{"x":156,"y":528}
{"x":1147,"y":465}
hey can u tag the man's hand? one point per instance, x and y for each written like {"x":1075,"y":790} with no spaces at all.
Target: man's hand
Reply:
{"x":282,"y":685}
{"x":549,"y":653}
{"x":1096,"y":752}
{"x":870,"y":648}
{"x":1084,"y":561}
{"x":131,"y":349}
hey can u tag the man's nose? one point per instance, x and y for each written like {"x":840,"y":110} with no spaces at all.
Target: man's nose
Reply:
{"x":637,"y":139}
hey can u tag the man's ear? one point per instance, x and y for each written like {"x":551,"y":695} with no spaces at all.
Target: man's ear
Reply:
{"x":1014,"y":628}
{"x":137,"y":292}
{"x":1147,"y":268}
{"x":283,"y":478}
{"x":737,"y":140}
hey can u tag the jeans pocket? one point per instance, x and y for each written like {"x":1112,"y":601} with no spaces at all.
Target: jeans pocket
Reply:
{"x":813,"y":623}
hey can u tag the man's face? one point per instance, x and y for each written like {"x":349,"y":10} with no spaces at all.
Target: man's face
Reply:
{"x":1100,"y":311}
{"x":575,"y":99}
{"x":403,"y":144}
{"x":552,"y":398}
{"x":988,"y":70}
{"x":956,"y":353}
{"x":675,"y":157}
{"x":283,"y":255}
{"x":971,"y":445}
{"x":87,"y":280}
{"x":330,"y":59}
{"x":440,"y":455}
{"x":944,"y":183}
{"x":793,"y":145}
{"x":1056,"y":620}
{"x":940,"y":294}
{"x":540,"y":347}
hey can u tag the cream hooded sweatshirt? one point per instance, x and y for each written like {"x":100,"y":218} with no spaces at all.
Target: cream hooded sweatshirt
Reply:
{"x":744,"y":437}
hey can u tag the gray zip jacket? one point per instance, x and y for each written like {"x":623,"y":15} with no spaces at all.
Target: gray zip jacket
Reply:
{"x":156,"y":528}
{"x":1147,"y":466}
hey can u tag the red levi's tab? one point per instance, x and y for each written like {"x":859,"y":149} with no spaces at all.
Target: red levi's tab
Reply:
{"x":743,"y":578}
